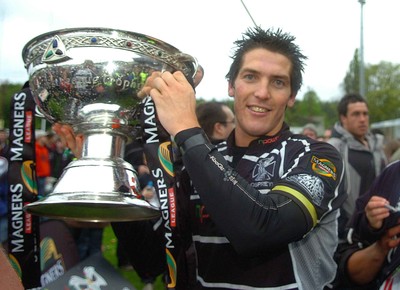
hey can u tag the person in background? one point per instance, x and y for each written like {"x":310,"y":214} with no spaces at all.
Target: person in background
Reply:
{"x":390,"y":148}
{"x":3,"y":185}
{"x":43,"y":167}
{"x":380,"y":140}
{"x":134,"y":155}
{"x":361,"y":151}
{"x":395,"y":156}
{"x":310,"y":130}
{"x":262,"y":208}
{"x":327,"y":134}
{"x":3,"y":142}
{"x":369,"y":258}
{"x":88,"y":237}
{"x":9,"y":277}
{"x":60,"y":157}
{"x":216,"y":119}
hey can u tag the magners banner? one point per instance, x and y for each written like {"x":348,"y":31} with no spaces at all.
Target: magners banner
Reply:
{"x":160,"y":158}
{"x":23,"y":228}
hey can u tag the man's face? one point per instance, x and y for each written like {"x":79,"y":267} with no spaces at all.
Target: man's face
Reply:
{"x":262,"y":92}
{"x":356,"y":121}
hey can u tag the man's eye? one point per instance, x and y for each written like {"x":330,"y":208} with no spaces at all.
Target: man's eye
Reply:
{"x":249,"y":77}
{"x":279,"y":83}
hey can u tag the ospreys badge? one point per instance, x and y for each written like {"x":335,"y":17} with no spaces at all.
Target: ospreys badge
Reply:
{"x":264,"y":169}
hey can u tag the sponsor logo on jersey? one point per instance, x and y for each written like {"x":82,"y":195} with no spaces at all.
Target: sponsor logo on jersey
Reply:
{"x":269,"y":140}
{"x":323,"y":167}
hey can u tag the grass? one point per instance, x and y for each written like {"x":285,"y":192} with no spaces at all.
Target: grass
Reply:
{"x":109,"y":250}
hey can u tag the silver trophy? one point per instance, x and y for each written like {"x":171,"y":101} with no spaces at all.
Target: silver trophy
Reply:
{"x":89,"y":78}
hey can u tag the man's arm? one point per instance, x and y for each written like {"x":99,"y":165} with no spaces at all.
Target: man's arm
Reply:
{"x":8,"y":277}
{"x":364,"y":265}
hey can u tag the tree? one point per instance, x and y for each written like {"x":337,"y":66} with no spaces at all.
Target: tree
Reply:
{"x":7,"y":91}
{"x":383,"y":91}
{"x":351,"y":82}
{"x":330,"y":114}
{"x":307,"y":110}
{"x":382,"y":88}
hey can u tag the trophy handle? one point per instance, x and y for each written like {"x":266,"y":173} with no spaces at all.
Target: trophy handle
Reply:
{"x":195,"y":68}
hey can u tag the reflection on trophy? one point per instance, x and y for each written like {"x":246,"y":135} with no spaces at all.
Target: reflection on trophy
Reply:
{"x":89,"y":78}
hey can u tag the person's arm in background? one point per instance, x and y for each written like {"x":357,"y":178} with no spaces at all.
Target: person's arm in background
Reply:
{"x":8,"y":277}
{"x":363,"y":265}
{"x":69,"y":139}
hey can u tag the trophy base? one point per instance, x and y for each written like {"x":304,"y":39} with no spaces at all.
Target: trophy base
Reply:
{"x":96,"y":190}
{"x":84,"y":207}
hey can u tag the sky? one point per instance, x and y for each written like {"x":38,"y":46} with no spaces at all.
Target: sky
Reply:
{"x":328,"y":32}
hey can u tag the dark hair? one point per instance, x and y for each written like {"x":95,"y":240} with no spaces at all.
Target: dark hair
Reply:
{"x":208,"y":114}
{"x":275,"y":41}
{"x":349,"y":99}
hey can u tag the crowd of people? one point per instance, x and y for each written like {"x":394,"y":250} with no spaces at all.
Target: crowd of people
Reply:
{"x":263,"y":207}
{"x":368,"y":224}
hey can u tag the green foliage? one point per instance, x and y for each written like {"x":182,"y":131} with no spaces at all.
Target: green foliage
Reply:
{"x":351,"y":81}
{"x":307,"y":110}
{"x":329,"y":110}
{"x":7,"y":91}
{"x":383,"y":91}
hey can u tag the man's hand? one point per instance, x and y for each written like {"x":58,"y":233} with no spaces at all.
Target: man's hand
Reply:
{"x":174,"y":99}
{"x":390,"y":240}
{"x":376,"y":211}
{"x":66,"y":133}
{"x":363,"y":265}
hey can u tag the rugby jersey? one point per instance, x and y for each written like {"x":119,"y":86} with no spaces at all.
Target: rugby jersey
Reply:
{"x":265,"y":217}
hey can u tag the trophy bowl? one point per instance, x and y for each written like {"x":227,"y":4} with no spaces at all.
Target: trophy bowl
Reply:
{"x":89,"y":78}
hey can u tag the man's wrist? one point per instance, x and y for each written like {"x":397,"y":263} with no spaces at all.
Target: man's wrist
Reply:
{"x":190,"y":138}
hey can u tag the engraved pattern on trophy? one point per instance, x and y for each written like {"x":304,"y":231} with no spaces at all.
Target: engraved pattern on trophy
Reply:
{"x":134,"y":44}
{"x":89,"y":78}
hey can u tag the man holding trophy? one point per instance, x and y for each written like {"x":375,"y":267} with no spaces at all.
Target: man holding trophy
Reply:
{"x":261,"y":208}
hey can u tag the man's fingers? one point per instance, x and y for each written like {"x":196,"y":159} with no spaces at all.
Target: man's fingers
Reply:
{"x":180,"y":77}
{"x":149,"y":84}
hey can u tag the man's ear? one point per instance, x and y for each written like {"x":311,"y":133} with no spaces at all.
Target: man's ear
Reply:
{"x":342,"y":119}
{"x":216,"y":129}
{"x":291,"y":101}
{"x":231,"y":90}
